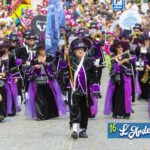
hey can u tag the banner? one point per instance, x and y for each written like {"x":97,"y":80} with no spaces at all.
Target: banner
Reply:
{"x":55,"y":20}
{"x":38,"y":24}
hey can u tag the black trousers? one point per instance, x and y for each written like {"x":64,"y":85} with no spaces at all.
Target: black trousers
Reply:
{"x":79,"y":111}
{"x":3,"y":104}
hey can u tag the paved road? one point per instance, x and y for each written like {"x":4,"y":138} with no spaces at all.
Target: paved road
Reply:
{"x":19,"y":133}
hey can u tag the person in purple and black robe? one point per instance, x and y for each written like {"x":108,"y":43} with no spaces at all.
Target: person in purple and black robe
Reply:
{"x":9,"y":104}
{"x":82,"y":88}
{"x":119,"y":93}
{"x":45,"y":97}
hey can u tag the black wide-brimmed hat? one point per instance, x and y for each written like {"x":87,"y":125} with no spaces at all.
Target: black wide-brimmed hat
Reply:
{"x":125,"y":46}
{"x":80,"y":43}
{"x":126,"y":34}
{"x":137,"y":26}
{"x":26,"y":33}
{"x":31,"y":36}
{"x":13,"y":37}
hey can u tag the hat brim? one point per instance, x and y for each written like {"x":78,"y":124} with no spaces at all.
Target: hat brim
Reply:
{"x":125,"y":46}
{"x":137,"y":28}
{"x":121,"y":36}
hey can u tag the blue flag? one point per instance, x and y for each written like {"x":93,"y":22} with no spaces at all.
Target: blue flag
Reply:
{"x":55,"y":20}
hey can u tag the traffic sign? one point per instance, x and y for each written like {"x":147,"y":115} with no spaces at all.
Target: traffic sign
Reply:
{"x":118,"y":4}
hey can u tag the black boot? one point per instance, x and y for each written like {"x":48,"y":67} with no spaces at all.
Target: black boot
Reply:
{"x":83,"y":134}
{"x":74,"y":135}
{"x":114,"y":115}
{"x":1,"y":118}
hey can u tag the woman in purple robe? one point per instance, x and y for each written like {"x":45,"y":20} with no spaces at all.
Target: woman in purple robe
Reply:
{"x":8,"y":90}
{"x":45,"y":97}
{"x":118,"y":96}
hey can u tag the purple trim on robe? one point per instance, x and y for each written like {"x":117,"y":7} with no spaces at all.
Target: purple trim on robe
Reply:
{"x":30,"y":104}
{"x":94,"y":107}
{"x":128,"y":93}
{"x":58,"y":97}
{"x":99,"y":51}
{"x":134,"y":59}
{"x":137,"y":85}
{"x":12,"y":96}
{"x":61,"y":64}
{"x":81,"y":80}
{"x":9,"y":99}
{"x":94,"y":89}
{"x":108,"y":99}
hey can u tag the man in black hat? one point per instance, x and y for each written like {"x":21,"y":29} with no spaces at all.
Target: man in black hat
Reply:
{"x":126,"y":36}
{"x":82,"y":68}
{"x":137,"y":31}
{"x":29,"y":45}
{"x":93,"y":28}
{"x":14,"y":40}
{"x":25,"y":36}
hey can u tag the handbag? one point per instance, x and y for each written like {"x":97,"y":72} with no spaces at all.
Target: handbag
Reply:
{"x":41,"y":80}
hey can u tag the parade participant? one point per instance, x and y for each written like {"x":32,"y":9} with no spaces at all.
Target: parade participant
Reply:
{"x":17,"y":53}
{"x":137,"y":31}
{"x":147,"y":77}
{"x":25,"y":36}
{"x":79,"y":94}
{"x":3,"y":96}
{"x":93,"y":28}
{"x":30,"y":53}
{"x":45,"y":97}
{"x":110,"y":37}
{"x":141,"y":51}
{"x":97,"y":54}
{"x":118,"y":95}
{"x":9,"y":87}
{"x":126,"y":36}
{"x":31,"y":45}
{"x":14,"y":40}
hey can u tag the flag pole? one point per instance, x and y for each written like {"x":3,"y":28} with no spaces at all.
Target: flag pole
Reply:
{"x":68,"y":60}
